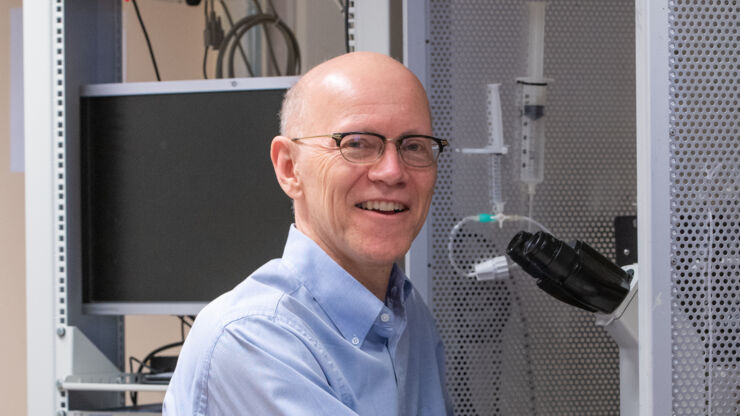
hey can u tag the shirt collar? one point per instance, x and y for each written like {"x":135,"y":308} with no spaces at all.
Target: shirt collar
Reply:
{"x":392,"y":318}
{"x":399,"y":287}
{"x":351,"y":307}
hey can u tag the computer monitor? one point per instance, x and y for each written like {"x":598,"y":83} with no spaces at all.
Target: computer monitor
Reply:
{"x":179,"y":201}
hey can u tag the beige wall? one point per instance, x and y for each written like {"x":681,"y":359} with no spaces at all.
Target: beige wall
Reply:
{"x":12,"y":246}
{"x":176,"y":32}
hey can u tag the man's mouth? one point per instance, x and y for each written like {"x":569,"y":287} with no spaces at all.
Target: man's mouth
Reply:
{"x":384,"y":207}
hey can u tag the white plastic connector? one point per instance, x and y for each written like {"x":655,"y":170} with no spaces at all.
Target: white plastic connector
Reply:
{"x":496,"y":268}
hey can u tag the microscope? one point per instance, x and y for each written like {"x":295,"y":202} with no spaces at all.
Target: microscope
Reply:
{"x":580,"y":276}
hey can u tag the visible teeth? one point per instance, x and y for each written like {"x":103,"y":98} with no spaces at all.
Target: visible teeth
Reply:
{"x":384,"y":206}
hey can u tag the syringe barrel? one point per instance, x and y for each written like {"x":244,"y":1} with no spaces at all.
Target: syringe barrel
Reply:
{"x":497,"y":184}
{"x":532,"y":122}
{"x":495,"y":122}
{"x":536,"y":49}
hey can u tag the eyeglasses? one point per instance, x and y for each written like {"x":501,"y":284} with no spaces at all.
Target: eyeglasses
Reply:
{"x":416,"y":150}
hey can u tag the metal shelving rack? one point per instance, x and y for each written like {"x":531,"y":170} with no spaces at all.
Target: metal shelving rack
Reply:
{"x":66,"y":44}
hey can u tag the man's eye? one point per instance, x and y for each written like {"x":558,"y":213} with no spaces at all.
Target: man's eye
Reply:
{"x":357,"y":142}
{"x":415,"y":145}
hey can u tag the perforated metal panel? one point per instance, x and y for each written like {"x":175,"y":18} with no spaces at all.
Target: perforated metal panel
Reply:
{"x":511,"y":349}
{"x":705,"y":190}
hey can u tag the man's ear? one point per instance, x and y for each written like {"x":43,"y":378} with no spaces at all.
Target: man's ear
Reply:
{"x":283,"y":154}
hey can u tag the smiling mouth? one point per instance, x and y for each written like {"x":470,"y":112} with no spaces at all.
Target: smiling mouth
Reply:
{"x":383,"y":207}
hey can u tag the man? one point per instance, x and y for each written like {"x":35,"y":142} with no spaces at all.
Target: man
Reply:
{"x":333,"y":327}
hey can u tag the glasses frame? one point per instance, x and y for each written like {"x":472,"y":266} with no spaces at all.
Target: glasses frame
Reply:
{"x":337,"y":137}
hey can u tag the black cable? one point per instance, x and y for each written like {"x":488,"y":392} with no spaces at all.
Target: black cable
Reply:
{"x":205,"y":61}
{"x":149,"y":356}
{"x":132,"y":395}
{"x":231,"y":39}
{"x":272,"y":10}
{"x":146,"y":36}
{"x":270,"y":46}
{"x":183,"y":324}
{"x":241,"y":50}
{"x":142,"y":364}
{"x":205,"y":52}
{"x":263,"y":19}
{"x":232,"y":35}
{"x":346,"y":25}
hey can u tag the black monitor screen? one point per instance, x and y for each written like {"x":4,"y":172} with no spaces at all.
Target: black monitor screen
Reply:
{"x":179,"y":198}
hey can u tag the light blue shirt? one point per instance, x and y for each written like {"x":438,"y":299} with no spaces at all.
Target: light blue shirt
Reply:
{"x":301,"y":336}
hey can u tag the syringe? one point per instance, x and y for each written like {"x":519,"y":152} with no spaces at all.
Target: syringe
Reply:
{"x":496,"y":147}
{"x":533,"y":95}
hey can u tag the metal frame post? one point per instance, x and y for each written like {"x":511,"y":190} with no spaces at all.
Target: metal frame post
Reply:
{"x":653,"y":207}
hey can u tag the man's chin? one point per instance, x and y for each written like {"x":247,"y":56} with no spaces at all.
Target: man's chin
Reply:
{"x":385,"y":255}
{"x":376,"y":246}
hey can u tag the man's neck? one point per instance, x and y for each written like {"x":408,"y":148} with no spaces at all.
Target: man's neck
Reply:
{"x":374,"y":278}
{"x":373,"y":275}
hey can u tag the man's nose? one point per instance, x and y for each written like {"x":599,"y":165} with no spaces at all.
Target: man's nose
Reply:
{"x":389,"y":168}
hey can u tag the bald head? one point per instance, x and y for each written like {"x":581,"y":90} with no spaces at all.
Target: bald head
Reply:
{"x":346,"y":77}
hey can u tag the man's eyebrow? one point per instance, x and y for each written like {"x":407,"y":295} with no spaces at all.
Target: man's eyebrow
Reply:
{"x":416,"y":133}
{"x":403,"y":134}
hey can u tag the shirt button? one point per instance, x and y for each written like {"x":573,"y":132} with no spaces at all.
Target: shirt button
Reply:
{"x":355,"y":340}
{"x":385,"y":317}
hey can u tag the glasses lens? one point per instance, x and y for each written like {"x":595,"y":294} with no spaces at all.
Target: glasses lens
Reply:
{"x":361,"y":148}
{"x":419,"y":151}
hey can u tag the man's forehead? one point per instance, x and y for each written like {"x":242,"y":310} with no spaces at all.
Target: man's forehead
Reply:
{"x":335,"y":81}
{"x":355,"y":84}
{"x":365,"y":88}
{"x":357,"y":69}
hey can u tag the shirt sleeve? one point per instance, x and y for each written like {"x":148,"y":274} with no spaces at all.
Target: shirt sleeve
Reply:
{"x":260,"y":365}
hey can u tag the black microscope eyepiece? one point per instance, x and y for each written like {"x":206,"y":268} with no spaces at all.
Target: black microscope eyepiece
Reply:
{"x":574,"y":273}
